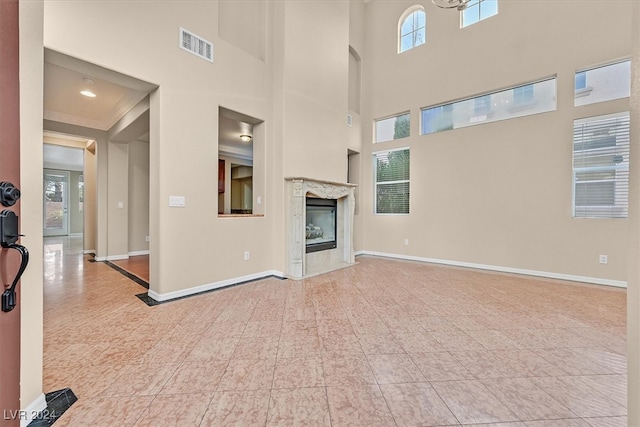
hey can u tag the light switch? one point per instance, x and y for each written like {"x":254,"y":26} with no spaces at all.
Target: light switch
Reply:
{"x":120,"y":205}
{"x":177,"y":201}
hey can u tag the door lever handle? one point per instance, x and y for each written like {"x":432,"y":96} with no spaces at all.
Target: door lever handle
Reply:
{"x":9,"y":295}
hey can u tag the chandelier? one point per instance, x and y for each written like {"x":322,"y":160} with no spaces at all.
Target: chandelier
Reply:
{"x":451,"y":4}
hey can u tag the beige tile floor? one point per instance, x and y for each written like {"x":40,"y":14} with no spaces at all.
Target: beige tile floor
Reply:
{"x":383,"y":343}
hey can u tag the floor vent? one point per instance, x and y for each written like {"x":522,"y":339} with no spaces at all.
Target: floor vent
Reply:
{"x":196,"y":45}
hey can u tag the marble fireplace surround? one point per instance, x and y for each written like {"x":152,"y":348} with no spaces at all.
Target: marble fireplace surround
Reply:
{"x":299,"y":264}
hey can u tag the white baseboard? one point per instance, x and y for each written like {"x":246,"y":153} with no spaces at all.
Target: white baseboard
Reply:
{"x":112,"y":257}
{"x":32,"y":410}
{"x":89,"y":251}
{"x":136,"y":253}
{"x":546,"y":274}
{"x":211,"y":286}
{"x":75,"y":235}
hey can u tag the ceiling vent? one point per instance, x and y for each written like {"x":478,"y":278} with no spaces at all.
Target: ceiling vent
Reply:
{"x":196,"y":45}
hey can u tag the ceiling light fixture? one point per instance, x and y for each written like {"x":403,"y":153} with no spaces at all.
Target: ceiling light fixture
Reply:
{"x":86,"y":92}
{"x":451,"y":4}
{"x":245,"y":138}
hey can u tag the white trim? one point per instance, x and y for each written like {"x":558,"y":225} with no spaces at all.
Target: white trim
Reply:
{"x":211,"y":286}
{"x":536,"y":273}
{"x":89,"y":251}
{"x":136,"y":253}
{"x":111,"y":258}
{"x":74,"y":235}
{"x":32,"y":410}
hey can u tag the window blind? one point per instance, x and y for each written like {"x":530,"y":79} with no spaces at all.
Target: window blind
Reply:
{"x":392,"y":181}
{"x":601,"y":166}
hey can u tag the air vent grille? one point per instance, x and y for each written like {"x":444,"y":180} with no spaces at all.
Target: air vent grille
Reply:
{"x":196,"y":45}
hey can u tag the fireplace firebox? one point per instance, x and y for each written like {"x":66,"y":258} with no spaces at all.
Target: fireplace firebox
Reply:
{"x":320,"y":230}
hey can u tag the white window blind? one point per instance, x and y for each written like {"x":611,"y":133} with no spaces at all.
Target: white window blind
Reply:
{"x":601,"y":166}
{"x":391,"y":170}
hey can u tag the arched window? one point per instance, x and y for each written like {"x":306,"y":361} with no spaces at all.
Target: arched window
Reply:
{"x":412,"y":29}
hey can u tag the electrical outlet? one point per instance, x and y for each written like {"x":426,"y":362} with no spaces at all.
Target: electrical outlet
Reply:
{"x":246,"y":255}
{"x":147,"y":238}
{"x":406,"y":242}
{"x":604,"y":259}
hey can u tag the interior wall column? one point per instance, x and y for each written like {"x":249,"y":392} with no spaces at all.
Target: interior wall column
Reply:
{"x":117,"y":200}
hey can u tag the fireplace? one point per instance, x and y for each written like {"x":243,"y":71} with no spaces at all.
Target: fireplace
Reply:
{"x":319,"y":232}
{"x":320,"y":229}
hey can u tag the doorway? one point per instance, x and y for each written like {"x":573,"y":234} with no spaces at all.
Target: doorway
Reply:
{"x":56,"y":203}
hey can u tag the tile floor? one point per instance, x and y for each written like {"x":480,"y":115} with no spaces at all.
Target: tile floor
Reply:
{"x":383,"y":343}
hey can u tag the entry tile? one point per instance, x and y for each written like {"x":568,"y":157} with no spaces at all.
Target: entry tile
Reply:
{"x":361,"y":405}
{"x":471,"y":402}
{"x":417,"y":404}
{"x":299,"y":407}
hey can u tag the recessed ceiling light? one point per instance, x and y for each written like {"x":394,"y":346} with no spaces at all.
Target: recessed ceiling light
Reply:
{"x":88,"y":93}
{"x":245,"y":138}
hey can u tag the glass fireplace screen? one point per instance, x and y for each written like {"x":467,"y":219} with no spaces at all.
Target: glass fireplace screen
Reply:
{"x":321,"y":224}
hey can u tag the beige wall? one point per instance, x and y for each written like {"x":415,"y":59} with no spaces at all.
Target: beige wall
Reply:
{"x":315,"y":77}
{"x":31,"y":92}
{"x":117,"y":190}
{"x":183,"y":143}
{"x":90,"y":196}
{"x":76,"y":216}
{"x":497,"y":194}
{"x":138,"y":203}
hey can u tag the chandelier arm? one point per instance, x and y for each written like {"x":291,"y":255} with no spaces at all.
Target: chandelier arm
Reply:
{"x":451,"y":4}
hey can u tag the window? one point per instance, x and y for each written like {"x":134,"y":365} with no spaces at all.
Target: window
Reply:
{"x":412,"y":29}
{"x":393,"y":128}
{"x":391,"y":169}
{"x":532,"y":98}
{"x":604,"y":83}
{"x":581,"y":80}
{"x":477,"y":10}
{"x":601,"y":166}
{"x":523,"y":95}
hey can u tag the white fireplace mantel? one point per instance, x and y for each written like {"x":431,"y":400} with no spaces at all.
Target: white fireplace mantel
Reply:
{"x":298,"y":262}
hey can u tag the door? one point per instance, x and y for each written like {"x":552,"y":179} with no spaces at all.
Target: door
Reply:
{"x":9,"y":171}
{"x":56,"y":203}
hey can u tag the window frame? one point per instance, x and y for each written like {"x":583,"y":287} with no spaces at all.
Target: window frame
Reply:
{"x":409,"y":14}
{"x":395,"y":119}
{"x":377,"y":184}
{"x":503,"y":107}
{"x":619,"y":209}
{"x":471,"y":6}
{"x":588,"y":94}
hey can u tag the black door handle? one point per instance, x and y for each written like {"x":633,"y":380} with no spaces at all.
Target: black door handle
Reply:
{"x":9,"y":295}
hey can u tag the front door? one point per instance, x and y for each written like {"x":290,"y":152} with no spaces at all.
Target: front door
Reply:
{"x":56,"y":203}
{"x":9,"y":171}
